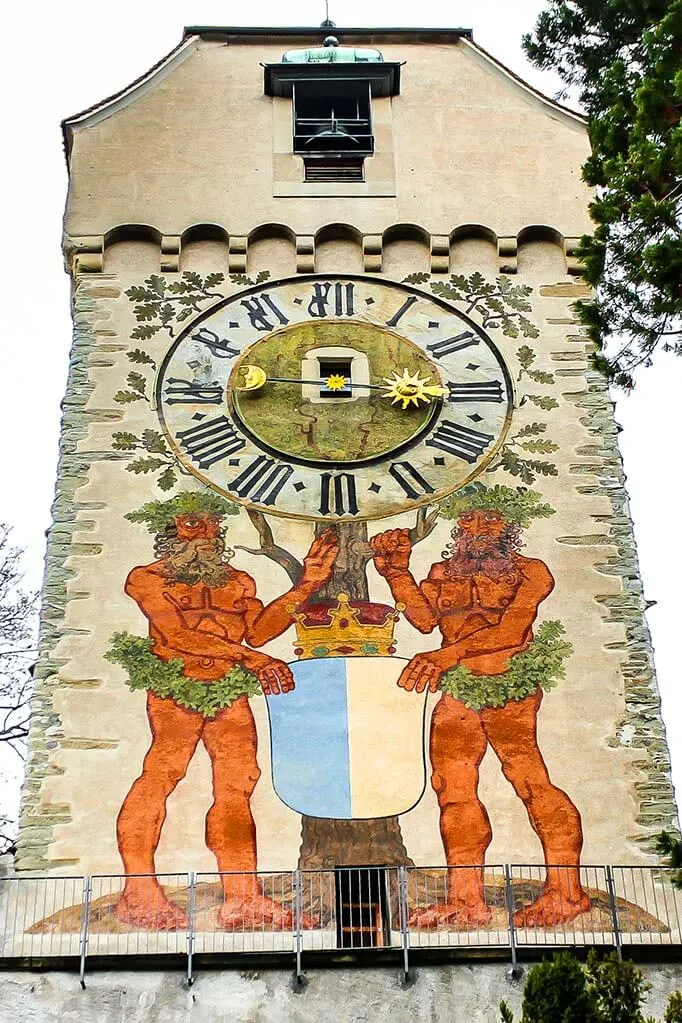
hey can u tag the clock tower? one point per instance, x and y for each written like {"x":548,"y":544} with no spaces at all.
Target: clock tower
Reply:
{"x":344,"y":643}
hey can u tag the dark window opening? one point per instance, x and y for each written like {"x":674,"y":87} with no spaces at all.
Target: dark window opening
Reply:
{"x":333,"y":117}
{"x":335,"y":368}
{"x":362,"y":908}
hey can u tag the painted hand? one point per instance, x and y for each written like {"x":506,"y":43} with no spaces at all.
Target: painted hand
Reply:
{"x":391,"y":551}
{"x":319,"y":561}
{"x":423,"y":671}
{"x":275,"y":677}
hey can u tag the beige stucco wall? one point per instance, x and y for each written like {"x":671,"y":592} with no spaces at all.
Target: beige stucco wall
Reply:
{"x":470,"y":147}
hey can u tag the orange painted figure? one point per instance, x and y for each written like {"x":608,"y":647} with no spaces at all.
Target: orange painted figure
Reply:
{"x":484,"y":598}
{"x":206,"y":613}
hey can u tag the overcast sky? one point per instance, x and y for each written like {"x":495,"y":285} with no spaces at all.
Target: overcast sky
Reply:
{"x":60,"y":58}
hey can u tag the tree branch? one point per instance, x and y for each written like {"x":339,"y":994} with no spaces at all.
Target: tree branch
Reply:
{"x":269,"y":549}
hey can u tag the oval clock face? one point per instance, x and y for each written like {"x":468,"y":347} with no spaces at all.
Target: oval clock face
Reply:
{"x":334,"y":398}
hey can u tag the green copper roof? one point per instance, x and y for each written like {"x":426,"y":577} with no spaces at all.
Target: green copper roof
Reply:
{"x":332,"y":53}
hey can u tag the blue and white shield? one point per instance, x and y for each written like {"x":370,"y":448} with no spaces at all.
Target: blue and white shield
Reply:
{"x":348,"y":743}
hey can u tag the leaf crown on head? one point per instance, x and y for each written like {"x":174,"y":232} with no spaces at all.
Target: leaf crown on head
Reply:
{"x":160,"y":515}
{"x":517,"y":505}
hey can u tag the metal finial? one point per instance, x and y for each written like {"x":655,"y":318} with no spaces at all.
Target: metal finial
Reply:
{"x":327,"y":23}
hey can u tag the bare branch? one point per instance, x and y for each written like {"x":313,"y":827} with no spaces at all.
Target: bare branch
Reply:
{"x":425,"y":524}
{"x":269,"y":549}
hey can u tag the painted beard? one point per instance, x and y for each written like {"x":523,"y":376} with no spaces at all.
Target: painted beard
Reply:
{"x":197,"y":561}
{"x":489,"y":556}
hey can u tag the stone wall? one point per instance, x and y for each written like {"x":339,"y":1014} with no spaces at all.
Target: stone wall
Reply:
{"x":458,"y":994}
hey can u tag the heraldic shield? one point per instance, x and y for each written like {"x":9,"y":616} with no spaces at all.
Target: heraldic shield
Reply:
{"x":347,"y":743}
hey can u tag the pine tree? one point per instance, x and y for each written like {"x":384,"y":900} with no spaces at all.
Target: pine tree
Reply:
{"x":623,"y":59}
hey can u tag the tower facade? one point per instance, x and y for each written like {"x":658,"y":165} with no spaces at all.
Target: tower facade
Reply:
{"x":342,"y":606}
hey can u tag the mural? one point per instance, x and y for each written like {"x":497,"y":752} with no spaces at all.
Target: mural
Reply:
{"x":357,"y":688}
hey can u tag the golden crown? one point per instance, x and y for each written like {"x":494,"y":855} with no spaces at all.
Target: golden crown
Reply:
{"x":351,"y":628}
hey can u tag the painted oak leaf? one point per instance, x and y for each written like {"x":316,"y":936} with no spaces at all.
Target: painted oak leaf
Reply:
{"x":141,"y":358}
{"x":126,"y":397}
{"x":543,"y":401}
{"x":124,"y":441}
{"x":213,"y":280}
{"x":540,"y":447}
{"x":142,"y":465}
{"x":153,"y":442}
{"x":145,"y":331}
{"x":526,"y":356}
{"x":167,"y":479}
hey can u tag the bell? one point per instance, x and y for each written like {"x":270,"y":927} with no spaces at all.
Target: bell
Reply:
{"x":336,"y":132}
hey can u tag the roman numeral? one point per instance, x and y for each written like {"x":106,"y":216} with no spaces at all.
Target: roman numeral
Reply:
{"x":453,"y":344}
{"x":218,"y":346}
{"x":210,"y":442}
{"x":261,"y":310}
{"x":395,"y":319}
{"x":460,"y":440}
{"x":343,"y":299}
{"x":262,"y":480}
{"x":409,"y":479}
{"x":190,"y":392}
{"x":491,"y":390}
{"x":337,"y":494}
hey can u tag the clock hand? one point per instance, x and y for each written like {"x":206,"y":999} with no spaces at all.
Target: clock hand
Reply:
{"x":255,"y":378}
{"x":405,"y":389}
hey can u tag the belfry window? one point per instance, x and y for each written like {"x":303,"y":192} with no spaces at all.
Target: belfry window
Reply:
{"x":332,"y":89}
{"x":333,"y":118}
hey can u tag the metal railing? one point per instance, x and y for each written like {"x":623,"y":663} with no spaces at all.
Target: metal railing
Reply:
{"x":409,"y":912}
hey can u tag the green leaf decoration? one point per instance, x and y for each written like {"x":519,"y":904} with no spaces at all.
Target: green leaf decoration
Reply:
{"x":156,"y":284}
{"x":516,"y":504}
{"x":136,"y":293}
{"x":144,"y":332}
{"x":262,"y":275}
{"x":137,"y":382}
{"x":144,"y":465}
{"x":193,"y":279}
{"x":526,"y":356}
{"x":153,"y":442}
{"x":126,"y":397}
{"x":241,"y":279}
{"x":124,"y":441}
{"x":213,"y":280}
{"x":149,"y":311}
{"x":531,"y":430}
{"x":545,"y":402}
{"x":540,"y":376}
{"x":528,"y":329}
{"x":140,"y":357}
{"x":167,"y":680}
{"x":417,"y":278}
{"x":167,"y":479}
{"x":541,"y":666}
{"x":540,"y":447}
{"x":159,"y":515}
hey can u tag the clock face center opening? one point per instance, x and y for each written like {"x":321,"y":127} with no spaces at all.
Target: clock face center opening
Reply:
{"x":322,"y":400}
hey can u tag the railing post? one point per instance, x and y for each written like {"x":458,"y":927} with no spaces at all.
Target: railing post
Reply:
{"x":299,"y":979}
{"x":509,"y":901}
{"x":85,"y":923}
{"x":613,"y":902}
{"x":404,"y":921}
{"x":191,"y":902}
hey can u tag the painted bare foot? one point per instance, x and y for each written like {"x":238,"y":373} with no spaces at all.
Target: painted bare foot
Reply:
{"x":553,"y":907}
{"x":252,"y":911}
{"x":466,"y":915}
{"x":148,"y":909}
